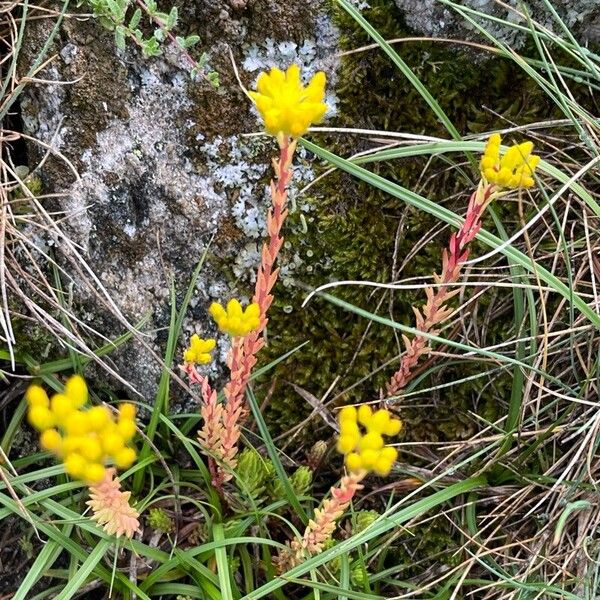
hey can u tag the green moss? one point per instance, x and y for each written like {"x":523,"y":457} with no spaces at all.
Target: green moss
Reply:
{"x":353,"y":230}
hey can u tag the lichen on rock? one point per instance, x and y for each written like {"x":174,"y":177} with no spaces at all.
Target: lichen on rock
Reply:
{"x":163,"y":166}
{"x":437,"y":19}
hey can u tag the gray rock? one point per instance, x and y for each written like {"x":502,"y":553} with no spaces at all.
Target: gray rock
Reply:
{"x":163,"y":165}
{"x":434,"y":18}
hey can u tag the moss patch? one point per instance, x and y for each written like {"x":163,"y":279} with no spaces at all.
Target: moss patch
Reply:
{"x":352,"y":234}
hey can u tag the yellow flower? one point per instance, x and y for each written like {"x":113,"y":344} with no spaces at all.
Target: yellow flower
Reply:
{"x":127,"y":411}
{"x":348,"y":413}
{"x":285,"y":105}
{"x":354,"y":462}
{"x":91,"y":448}
{"x":71,"y":443}
{"x":94,"y":473}
{"x":371,"y":441}
{"x":86,"y":438}
{"x":36,"y":396}
{"x":199,"y":350}
{"x":41,"y":418}
{"x":76,"y":390}
{"x":366,"y":451}
{"x":112,"y":443}
{"x":125,"y":458}
{"x":234,"y":320}
{"x":513,"y":170}
{"x":51,"y":440}
{"x":98,"y":417}
{"x":62,"y":406}
{"x":76,"y":423}
{"x":75,"y":465}
{"x":126,"y":429}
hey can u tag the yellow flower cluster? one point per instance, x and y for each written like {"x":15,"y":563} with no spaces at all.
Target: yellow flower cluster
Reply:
{"x":84,"y":437}
{"x":514,"y":170}
{"x":233,"y":319}
{"x":367,"y":451}
{"x":285,"y":105}
{"x":199,"y":350}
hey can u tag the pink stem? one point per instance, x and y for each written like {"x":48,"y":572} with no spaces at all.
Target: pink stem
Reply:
{"x":244,"y":350}
{"x":434,"y":311}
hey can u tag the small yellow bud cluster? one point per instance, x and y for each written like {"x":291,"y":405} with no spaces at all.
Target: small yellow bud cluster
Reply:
{"x":366,"y":451}
{"x":514,"y":170}
{"x":286,"y":106}
{"x":84,"y":437}
{"x":199,"y":350}
{"x":234,"y":320}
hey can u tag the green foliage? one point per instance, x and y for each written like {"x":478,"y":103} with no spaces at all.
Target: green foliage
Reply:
{"x":32,"y":182}
{"x":159,"y":520}
{"x":364,"y":518}
{"x":125,"y":22}
{"x":300,"y":480}
{"x":26,"y":546}
{"x":252,"y":473}
{"x":214,"y":78}
{"x":358,"y":574}
{"x":231,"y":526}
{"x":256,"y":480}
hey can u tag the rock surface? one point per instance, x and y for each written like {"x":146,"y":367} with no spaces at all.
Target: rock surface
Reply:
{"x":163,"y":165}
{"x":434,"y":18}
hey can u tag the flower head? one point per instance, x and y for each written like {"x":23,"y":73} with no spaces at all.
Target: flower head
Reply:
{"x":287,"y":106}
{"x":85,"y":437}
{"x":110,"y":507}
{"x":365,"y":449}
{"x":514,"y":170}
{"x":199,"y":350}
{"x":233,"y":319}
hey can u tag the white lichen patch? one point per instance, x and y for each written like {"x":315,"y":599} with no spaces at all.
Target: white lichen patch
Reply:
{"x":318,"y":53}
{"x":237,"y":164}
{"x":360,"y":4}
{"x":140,"y":194}
{"x":140,"y":213}
{"x":233,"y":170}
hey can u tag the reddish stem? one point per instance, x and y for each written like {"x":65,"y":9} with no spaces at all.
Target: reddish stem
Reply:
{"x":244,"y":350}
{"x":435,"y":311}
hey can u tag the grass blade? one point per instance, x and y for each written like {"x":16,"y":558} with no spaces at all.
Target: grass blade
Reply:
{"x":222,"y":563}
{"x":451,"y":218}
{"x":84,"y":571}
{"x":404,"y":68}
{"x":274,"y":456}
